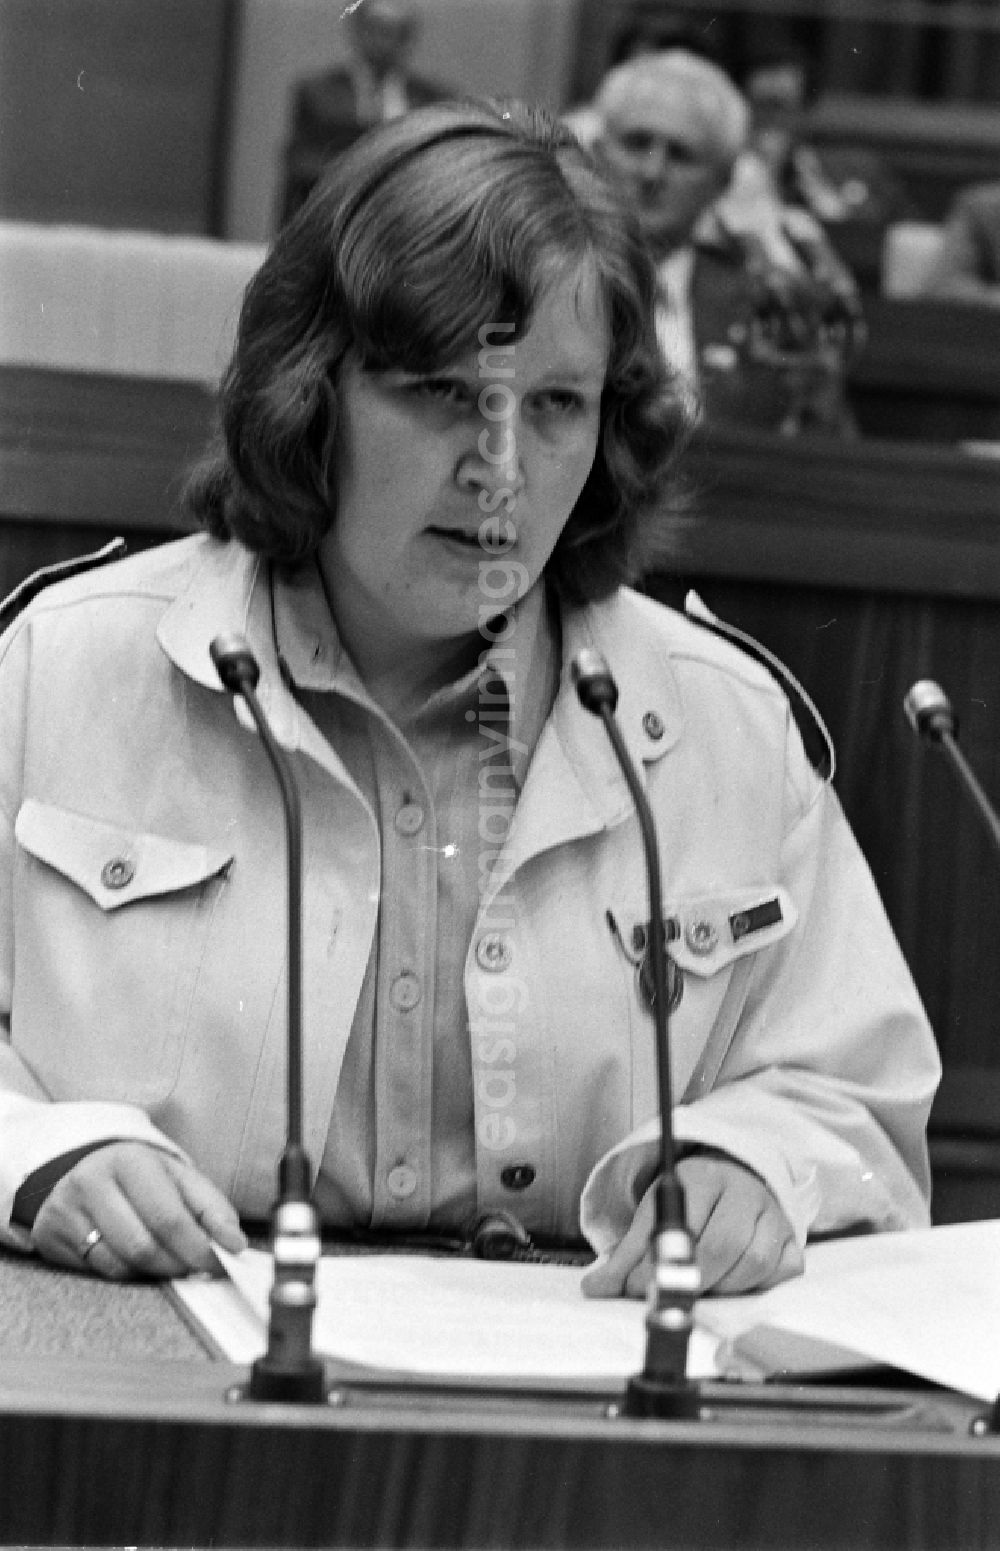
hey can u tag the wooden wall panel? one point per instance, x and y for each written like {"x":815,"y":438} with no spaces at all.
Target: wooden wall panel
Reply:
{"x":112,"y":112}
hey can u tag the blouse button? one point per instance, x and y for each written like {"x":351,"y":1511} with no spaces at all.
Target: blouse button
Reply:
{"x":118,"y":873}
{"x":405,"y":992}
{"x":410,"y":818}
{"x":402,"y":1181}
{"x":652,"y":725}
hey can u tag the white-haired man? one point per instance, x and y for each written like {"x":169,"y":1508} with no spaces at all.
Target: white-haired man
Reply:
{"x":744,"y":286}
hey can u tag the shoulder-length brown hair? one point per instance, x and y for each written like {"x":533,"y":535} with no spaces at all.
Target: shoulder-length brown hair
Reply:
{"x":428,"y":230}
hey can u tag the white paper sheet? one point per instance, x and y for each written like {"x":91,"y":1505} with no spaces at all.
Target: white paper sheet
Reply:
{"x":925,"y":1302}
{"x":429,"y":1315}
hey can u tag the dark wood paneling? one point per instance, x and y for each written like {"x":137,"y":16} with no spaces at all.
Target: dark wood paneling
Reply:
{"x":113,"y":112}
{"x":84,"y":458}
{"x":965,"y":1144}
{"x":930,"y":370}
{"x":865,"y":567}
{"x":940,"y":348}
{"x":92,"y":449}
{"x":934,"y":147}
{"x":885,"y":49}
{"x":146,"y":1455}
{"x":890,"y":48}
{"x":867,"y":515}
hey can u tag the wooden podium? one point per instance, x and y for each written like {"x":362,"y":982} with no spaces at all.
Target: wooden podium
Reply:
{"x":154,"y":1454}
{"x":137,"y":1443}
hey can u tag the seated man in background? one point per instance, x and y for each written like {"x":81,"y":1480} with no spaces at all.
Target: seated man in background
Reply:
{"x":757,"y":312}
{"x":836,"y":184}
{"x":330,"y":111}
{"x":645,"y":35}
{"x":968,"y":267}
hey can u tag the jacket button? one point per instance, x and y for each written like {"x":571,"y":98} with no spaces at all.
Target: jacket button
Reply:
{"x":118,"y":873}
{"x":494,"y":952}
{"x":410,"y":818}
{"x":405,"y":992}
{"x":517,"y":1176}
{"x":402,"y":1181}
{"x":652,"y":725}
{"x":700,"y":936}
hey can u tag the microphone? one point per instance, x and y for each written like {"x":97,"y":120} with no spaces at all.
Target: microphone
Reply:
{"x":930,"y":714}
{"x":288,"y":1370}
{"x":662,"y":1389}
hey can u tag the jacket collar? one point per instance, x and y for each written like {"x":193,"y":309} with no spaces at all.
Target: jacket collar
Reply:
{"x":575,"y":785}
{"x":574,"y":759}
{"x":649,"y":710}
{"x":229,"y":592}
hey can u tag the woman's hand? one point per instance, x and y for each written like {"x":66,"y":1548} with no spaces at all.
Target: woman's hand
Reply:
{"x":130,"y":1209}
{"x":743,"y":1240}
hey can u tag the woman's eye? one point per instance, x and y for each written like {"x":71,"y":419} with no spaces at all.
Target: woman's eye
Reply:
{"x":442,"y":390}
{"x":559,"y":401}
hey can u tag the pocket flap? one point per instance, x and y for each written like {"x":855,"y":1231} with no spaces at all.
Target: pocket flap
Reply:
{"x":716,"y":929}
{"x":114,"y":865}
{"x":709,"y":931}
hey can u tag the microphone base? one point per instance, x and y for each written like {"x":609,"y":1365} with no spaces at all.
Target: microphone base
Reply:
{"x":299,"y":1384}
{"x":672,"y":1400}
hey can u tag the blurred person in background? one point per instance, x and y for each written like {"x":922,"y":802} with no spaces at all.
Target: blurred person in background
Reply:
{"x":756,"y":312}
{"x":647,"y":35}
{"x":835,"y":184}
{"x":331,"y":110}
{"x":968,"y":266}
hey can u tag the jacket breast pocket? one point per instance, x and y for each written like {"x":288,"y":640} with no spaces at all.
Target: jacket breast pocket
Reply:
{"x":111,"y":924}
{"x":713,"y":942}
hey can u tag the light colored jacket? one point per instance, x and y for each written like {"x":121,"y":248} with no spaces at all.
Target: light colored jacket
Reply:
{"x":142,"y":920}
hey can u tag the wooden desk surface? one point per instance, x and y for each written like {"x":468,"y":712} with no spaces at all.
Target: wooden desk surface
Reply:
{"x":124,"y":1450}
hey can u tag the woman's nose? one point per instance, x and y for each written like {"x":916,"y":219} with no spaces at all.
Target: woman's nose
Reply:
{"x":496,"y":462}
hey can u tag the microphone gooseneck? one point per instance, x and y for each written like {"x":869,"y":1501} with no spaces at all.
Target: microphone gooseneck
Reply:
{"x":288,"y":1370}
{"x":930,"y":714}
{"x":662,"y":1388}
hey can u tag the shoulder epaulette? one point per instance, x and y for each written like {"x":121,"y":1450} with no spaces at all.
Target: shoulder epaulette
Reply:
{"x":32,"y":585}
{"x":813,"y":731}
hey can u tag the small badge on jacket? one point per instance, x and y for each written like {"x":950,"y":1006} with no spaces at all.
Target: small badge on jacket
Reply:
{"x":635,"y":945}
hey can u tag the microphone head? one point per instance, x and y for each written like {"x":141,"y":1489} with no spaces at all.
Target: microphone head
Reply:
{"x":235,"y":663}
{"x":594,"y":682}
{"x":928,"y":710}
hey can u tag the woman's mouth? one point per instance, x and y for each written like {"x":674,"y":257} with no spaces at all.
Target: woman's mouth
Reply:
{"x":466,"y":540}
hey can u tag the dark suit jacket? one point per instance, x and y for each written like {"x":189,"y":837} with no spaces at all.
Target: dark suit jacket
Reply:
{"x":326,"y":120}
{"x":871,"y":191}
{"x":736,"y":387}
